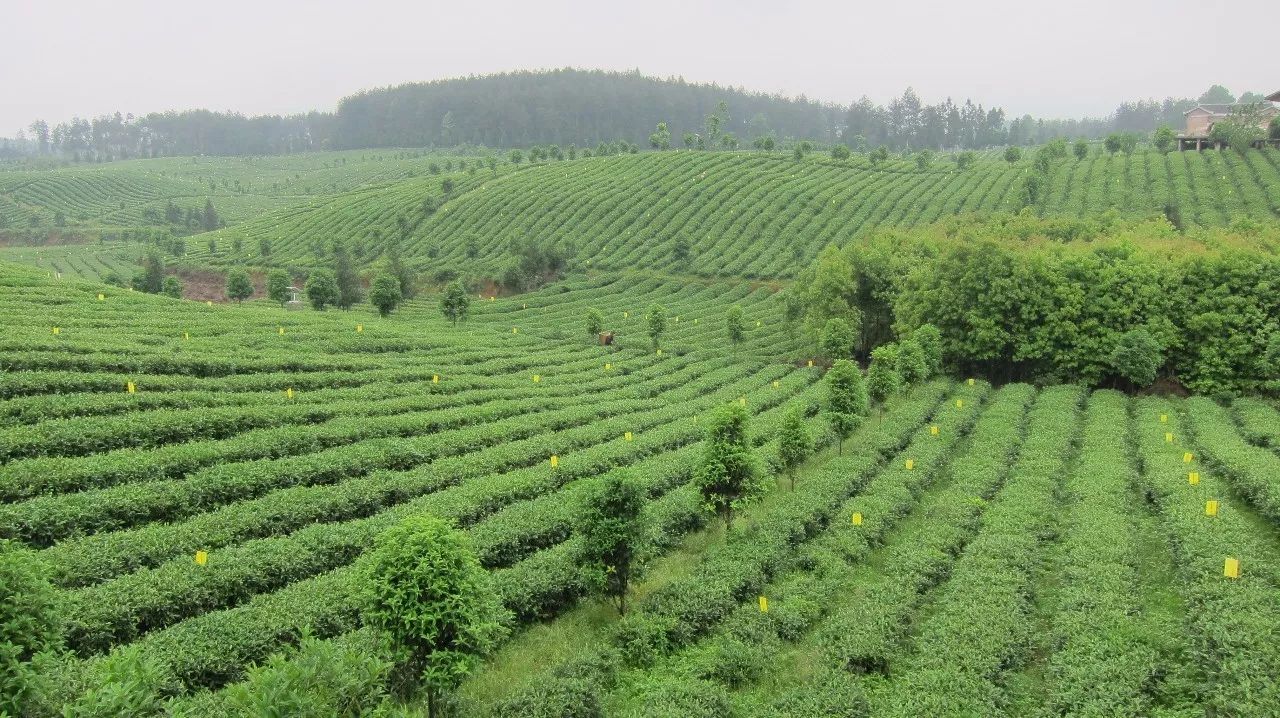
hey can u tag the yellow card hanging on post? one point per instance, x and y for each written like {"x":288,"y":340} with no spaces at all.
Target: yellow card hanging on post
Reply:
{"x":933,"y":430}
{"x":288,"y":393}
{"x":101,"y":296}
{"x":435,"y":378}
{"x":202,"y":557}
{"x":555,"y":461}
{"x":857,"y":519}
{"x":1211,"y":507}
{"x":359,"y":329}
{"x":1193,"y":478}
{"x":776,"y":384}
{"x":626,"y":436}
{"x":810,"y":363}
{"x":537,"y":378}
{"x":970,"y":382}
{"x":959,"y":403}
{"x":764,"y":605}
{"x":626,"y":315}
{"x":186,"y":336}
{"x":1231,"y":568}
{"x":659,"y":352}
{"x":1164,"y":418}
{"x":281,"y":330}
{"x":910,"y":464}
{"x":57,"y":331}
{"x":1187,"y":457}
{"x":1168,"y":437}
{"x":208,"y":303}
{"x":129,"y":387}
{"x":608,"y":366}
{"x":514,"y":330}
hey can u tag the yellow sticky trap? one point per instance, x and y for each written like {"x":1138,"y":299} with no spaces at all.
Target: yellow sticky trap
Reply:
{"x":933,"y":430}
{"x":514,"y":330}
{"x":524,"y":306}
{"x":1211,"y":507}
{"x":129,"y":387}
{"x":555,"y":461}
{"x":1231,"y":568}
{"x":288,"y":393}
{"x":757,"y":323}
{"x":911,"y":464}
{"x":1193,"y":478}
{"x":626,"y":315}
{"x":202,"y":557}
{"x":742,"y":401}
{"x":695,"y":320}
{"x":1168,"y":437}
{"x":857,"y":519}
{"x":970,"y":382}
{"x":208,"y":303}
{"x":280,"y":330}
{"x":764,"y":605}
{"x":359,"y":329}
{"x":775,"y":384}
{"x":101,"y":297}
{"x":1164,"y":418}
{"x":659,"y":352}
{"x":1187,"y":457}
{"x":811,"y":363}
{"x":959,"y":403}
{"x":435,"y":378}
{"x":537,"y":378}
{"x":493,"y":299}
{"x":627,"y":436}
{"x":608,"y":366}
{"x":186,"y":336}
{"x":57,"y":330}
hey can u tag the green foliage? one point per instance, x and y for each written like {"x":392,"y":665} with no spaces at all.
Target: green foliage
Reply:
{"x":837,"y":339}
{"x":172,"y":287}
{"x":923,"y":159}
{"x":912,"y":364}
{"x":734,"y":324}
{"x":655,"y":321}
{"x":828,"y":290}
{"x":515,"y":157}
{"x":878,"y":155}
{"x":426,"y":592}
{"x":1273,"y":128}
{"x":321,"y":288}
{"x":455,"y":302}
{"x":1137,"y":357}
{"x":344,"y":273}
{"x":384,"y":293}
{"x":128,"y":683}
{"x":966,"y":159}
{"x":883,"y":373}
{"x":152,"y":278}
{"x":1081,"y":148}
{"x":595,"y":322}
{"x":1163,"y":138}
{"x":239,"y":286}
{"x":278,"y":286}
{"x":929,"y":339}
{"x":611,"y":527}
{"x":794,"y":443}
{"x":1012,"y":154}
{"x":728,"y":477}
{"x":322,"y":679}
{"x":847,"y":401}
{"x":840,"y":152}
{"x":30,"y":626}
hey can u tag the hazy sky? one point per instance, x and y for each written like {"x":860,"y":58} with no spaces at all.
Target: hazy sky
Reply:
{"x":1082,"y":57}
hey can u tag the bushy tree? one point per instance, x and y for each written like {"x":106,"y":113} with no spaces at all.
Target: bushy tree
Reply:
{"x":515,"y":157}
{"x":125,"y":683}
{"x":396,"y":268}
{"x":595,"y":322}
{"x":878,"y":155}
{"x":611,"y":528}
{"x":838,"y":339}
{"x":840,"y":152}
{"x":171,"y":287}
{"x":794,"y":443}
{"x":966,"y":159}
{"x":1163,"y":138}
{"x":278,"y":286}
{"x":661,"y":137}
{"x":321,"y":678}
{"x":883,"y":378}
{"x":734,"y":324}
{"x":1012,"y":154}
{"x":728,"y":475}
{"x":152,"y":272}
{"x":924,"y":158}
{"x":344,"y":273}
{"x":455,"y":302}
{"x":656,"y":322}
{"x":384,"y":294}
{"x":846,"y":402}
{"x":930,"y":340}
{"x":1273,"y":128}
{"x":912,"y":365}
{"x":1137,"y":357}
{"x":1081,"y":148}
{"x":30,"y":628}
{"x":239,"y":286}
{"x":321,"y":289}
{"x":427,"y":593}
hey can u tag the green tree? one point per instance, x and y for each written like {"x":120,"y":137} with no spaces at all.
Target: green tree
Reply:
{"x":883,"y":377}
{"x":1273,"y":129}
{"x":794,"y":443}
{"x":1012,"y":154}
{"x":1245,"y":126}
{"x":656,"y":322}
{"x":1217,"y":95}
{"x":264,"y":246}
{"x":661,"y":137}
{"x":320,"y":678}
{"x":1113,"y":142}
{"x":30,"y":627}
{"x":172,"y":287}
{"x":455,"y":302}
{"x":878,"y":155}
{"x":966,"y":159}
{"x":595,"y":322}
{"x":1164,"y":138}
{"x":344,"y":272}
{"x":840,"y":152}
{"x":846,"y":403}
{"x":838,"y":339}
{"x":278,"y":286}
{"x":611,"y":529}
{"x":912,"y":365}
{"x":424,"y":590}
{"x":1081,"y":148}
{"x":152,"y":272}
{"x":1137,"y":357}
{"x":728,"y":475}
{"x":239,"y":286}
{"x":209,"y":220}
{"x":515,"y":157}
{"x":924,"y":158}
{"x":384,"y":293}
{"x":321,"y":288}
{"x":930,"y":340}
{"x":734,"y":323}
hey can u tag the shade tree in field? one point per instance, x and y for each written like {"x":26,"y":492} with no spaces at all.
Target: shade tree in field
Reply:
{"x":1081,"y":149}
{"x":171,"y":287}
{"x":794,"y":443}
{"x":1163,"y":138}
{"x":427,"y":594}
{"x":1012,"y":154}
{"x":151,"y":279}
{"x":611,"y":528}
{"x":344,"y":273}
{"x":728,"y":475}
{"x":1137,"y":357}
{"x":239,"y":286}
{"x":929,"y":339}
{"x":595,"y":322}
{"x":661,"y":137}
{"x":840,"y":152}
{"x":734,"y":324}
{"x":278,"y":286}
{"x":455,"y":302}
{"x":384,"y":294}
{"x":838,"y":339}
{"x":656,"y":323}
{"x":846,"y":401}
{"x":912,"y":365}
{"x":883,"y":377}
{"x":321,"y":289}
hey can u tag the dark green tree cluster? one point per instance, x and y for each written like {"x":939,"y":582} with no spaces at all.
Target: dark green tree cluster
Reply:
{"x":728,"y":475}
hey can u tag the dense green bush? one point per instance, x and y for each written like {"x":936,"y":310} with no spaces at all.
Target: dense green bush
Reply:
{"x":30,"y":627}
